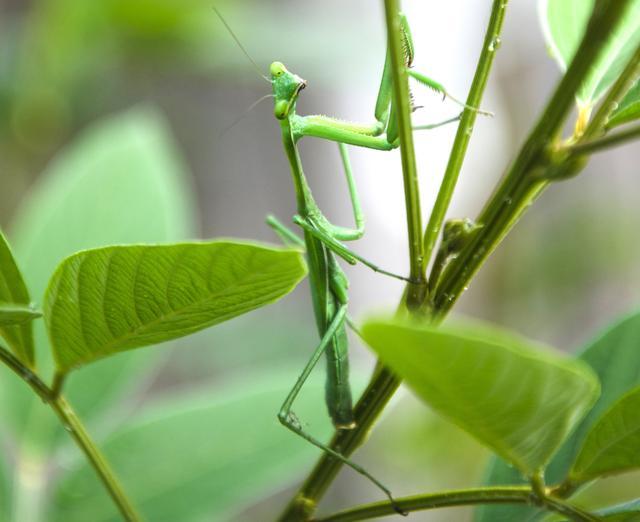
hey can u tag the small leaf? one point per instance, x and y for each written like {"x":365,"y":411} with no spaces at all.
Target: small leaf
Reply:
{"x":203,"y":456}
{"x":629,"y":108}
{"x":11,"y":315}
{"x":613,"y":443}
{"x":564,"y":23}
{"x":519,"y":399}
{"x":615,"y":358}
{"x":13,"y":291}
{"x":107,"y":300}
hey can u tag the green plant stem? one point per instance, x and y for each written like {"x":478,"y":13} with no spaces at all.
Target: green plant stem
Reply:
{"x":416,"y":291}
{"x":453,"y":498}
{"x":74,"y":426}
{"x":533,"y":167}
{"x":465,"y":127}
{"x":606,"y":142}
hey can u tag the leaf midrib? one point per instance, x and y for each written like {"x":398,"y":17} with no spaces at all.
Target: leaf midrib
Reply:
{"x":143,"y":328}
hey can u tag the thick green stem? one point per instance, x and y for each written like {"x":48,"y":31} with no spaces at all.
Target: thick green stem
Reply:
{"x":72,"y":424}
{"x":454,"y":498}
{"x":465,"y":127}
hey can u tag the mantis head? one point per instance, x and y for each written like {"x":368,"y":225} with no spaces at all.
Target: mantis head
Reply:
{"x":286,"y":87}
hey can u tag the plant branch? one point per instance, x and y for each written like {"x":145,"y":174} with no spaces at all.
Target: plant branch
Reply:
{"x":74,"y":426}
{"x":402,"y":101}
{"x":456,"y":498}
{"x":533,"y":167}
{"x":465,"y":127}
{"x":610,"y":140}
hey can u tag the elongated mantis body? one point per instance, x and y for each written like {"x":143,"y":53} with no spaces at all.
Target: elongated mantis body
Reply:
{"x":323,"y":240}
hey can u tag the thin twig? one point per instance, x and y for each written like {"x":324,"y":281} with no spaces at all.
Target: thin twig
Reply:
{"x":74,"y":427}
{"x":456,"y":498}
{"x":606,"y":142}
{"x":465,"y":128}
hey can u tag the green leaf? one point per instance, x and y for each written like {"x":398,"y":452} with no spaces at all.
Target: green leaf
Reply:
{"x":518,"y":398}
{"x":629,"y":108}
{"x":120,"y":181}
{"x":613,"y":443}
{"x":203,"y":457}
{"x":564,"y":23}
{"x":615,"y":358}
{"x":11,"y":315}
{"x":13,"y":291}
{"x":112,"y":299}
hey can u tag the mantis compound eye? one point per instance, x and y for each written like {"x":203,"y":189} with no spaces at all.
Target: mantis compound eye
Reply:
{"x":280,"y":109}
{"x":277,"y":69}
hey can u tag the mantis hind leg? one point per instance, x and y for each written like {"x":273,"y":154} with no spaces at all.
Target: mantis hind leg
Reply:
{"x":289,"y":419}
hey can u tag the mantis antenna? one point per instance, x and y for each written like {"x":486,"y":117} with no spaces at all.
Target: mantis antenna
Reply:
{"x":237,"y":40}
{"x":243,"y":114}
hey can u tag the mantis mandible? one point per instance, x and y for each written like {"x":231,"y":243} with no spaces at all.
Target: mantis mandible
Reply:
{"x":323,"y":241}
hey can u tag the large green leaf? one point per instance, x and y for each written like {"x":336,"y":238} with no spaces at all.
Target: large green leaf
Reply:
{"x":202,"y":457}
{"x":564,"y":23}
{"x":629,"y":108}
{"x":518,"y":398}
{"x":120,"y":181}
{"x":13,"y":291}
{"x":11,"y":315}
{"x":615,"y":358}
{"x":613,"y":443}
{"x":112,"y":299}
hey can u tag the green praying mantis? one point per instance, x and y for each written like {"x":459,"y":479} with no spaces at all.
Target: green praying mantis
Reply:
{"x":324,"y":241}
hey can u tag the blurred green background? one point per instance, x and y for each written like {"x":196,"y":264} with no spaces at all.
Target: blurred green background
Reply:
{"x":114,"y":128}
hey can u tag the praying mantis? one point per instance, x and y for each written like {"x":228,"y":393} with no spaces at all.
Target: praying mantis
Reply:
{"x":324,"y":241}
